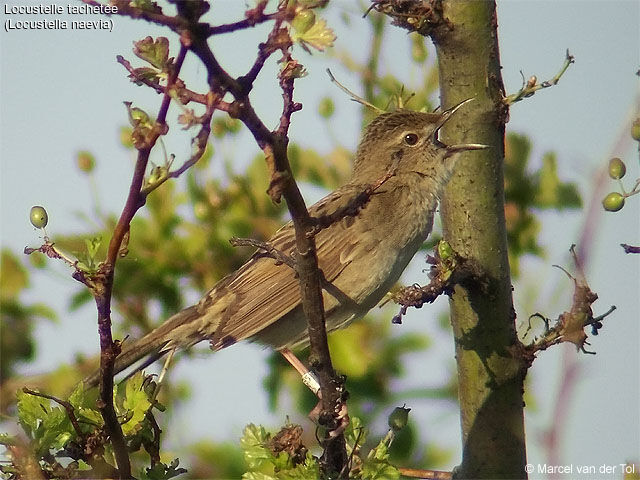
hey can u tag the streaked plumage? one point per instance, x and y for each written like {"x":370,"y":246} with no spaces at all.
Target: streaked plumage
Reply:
{"x":361,"y":256}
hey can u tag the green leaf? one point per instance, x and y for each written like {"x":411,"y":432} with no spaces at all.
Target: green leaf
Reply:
{"x":6,"y":439}
{"x":326,"y":107}
{"x":56,"y":430}
{"x":253,"y":444}
{"x":381,"y":451}
{"x":156,"y":52}
{"x":93,"y":246}
{"x":82,"y":402}
{"x":79,"y":299}
{"x":258,"y":476}
{"x":13,"y":276}
{"x":136,"y":403}
{"x":375,"y":470}
{"x":31,"y":410}
{"x":147,"y":73}
{"x":548,"y":183}
{"x":355,"y":432}
{"x":318,"y":36}
{"x":309,"y":469}
{"x":160,"y":471}
{"x":48,"y":427}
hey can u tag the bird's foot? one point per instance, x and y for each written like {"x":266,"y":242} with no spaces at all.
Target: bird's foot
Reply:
{"x":335,"y":420}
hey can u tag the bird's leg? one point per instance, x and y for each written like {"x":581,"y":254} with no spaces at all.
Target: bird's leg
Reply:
{"x":311,"y":381}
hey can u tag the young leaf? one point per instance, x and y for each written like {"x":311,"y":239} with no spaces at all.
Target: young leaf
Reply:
{"x":253,"y":443}
{"x":136,"y":403}
{"x":156,"y":52}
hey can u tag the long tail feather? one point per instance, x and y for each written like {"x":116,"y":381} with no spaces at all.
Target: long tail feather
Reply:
{"x":151,"y":345}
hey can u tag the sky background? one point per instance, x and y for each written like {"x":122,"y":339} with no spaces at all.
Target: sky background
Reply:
{"x":62,"y":91}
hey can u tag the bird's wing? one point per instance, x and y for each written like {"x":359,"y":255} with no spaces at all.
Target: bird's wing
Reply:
{"x":263,"y":291}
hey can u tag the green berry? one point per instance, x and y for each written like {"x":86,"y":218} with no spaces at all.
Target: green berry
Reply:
{"x":38,"y":217}
{"x":635,"y":130}
{"x":617,"y":168}
{"x":326,"y":107}
{"x":303,"y":21}
{"x":399,"y":418}
{"x":139,"y":117}
{"x":201,"y":210}
{"x":85,"y":161}
{"x":613,"y":202}
{"x":418,"y":48}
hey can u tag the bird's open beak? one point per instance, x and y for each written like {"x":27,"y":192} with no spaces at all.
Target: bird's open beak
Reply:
{"x":451,"y":149}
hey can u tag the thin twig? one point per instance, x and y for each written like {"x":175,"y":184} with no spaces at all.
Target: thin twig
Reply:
{"x":354,"y":97}
{"x":64,"y":404}
{"x":266,"y":247}
{"x":253,"y":16}
{"x":352,"y":208}
{"x":531,"y":86}
{"x":427,"y":474}
{"x":185,"y":94}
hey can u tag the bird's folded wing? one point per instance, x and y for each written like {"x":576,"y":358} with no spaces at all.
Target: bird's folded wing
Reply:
{"x":264,"y":291}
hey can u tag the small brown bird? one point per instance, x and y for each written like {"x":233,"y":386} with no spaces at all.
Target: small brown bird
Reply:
{"x":361,"y":255}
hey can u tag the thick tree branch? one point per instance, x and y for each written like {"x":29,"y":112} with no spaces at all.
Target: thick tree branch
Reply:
{"x":490,"y":372}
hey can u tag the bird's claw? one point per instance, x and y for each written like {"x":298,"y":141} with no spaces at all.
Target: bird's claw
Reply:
{"x":336,"y":422}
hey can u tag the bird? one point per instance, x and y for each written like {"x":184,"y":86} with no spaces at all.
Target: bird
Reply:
{"x":361,"y":255}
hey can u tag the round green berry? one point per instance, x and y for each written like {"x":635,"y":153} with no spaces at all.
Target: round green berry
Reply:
{"x":86,"y":162}
{"x":617,"y":168}
{"x":399,"y":418}
{"x":38,"y":216}
{"x":635,"y":130}
{"x":613,"y":202}
{"x":326,"y":107}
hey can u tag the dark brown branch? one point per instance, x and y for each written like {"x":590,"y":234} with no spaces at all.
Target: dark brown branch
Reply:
{"x":570,"y":325}
{"x":253,"y":16}
{"x":445,"y":273}
{"x":352,"y":208}
{"x":109,"y":349}
{"x":153,"y":16}
{"x":274,"y":145}
{"x":630,"y":248}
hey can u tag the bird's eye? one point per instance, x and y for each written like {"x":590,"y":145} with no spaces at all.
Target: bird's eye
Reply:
{"x":411,"y":139}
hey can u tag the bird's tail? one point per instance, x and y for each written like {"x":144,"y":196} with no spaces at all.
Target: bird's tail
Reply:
{"x":153,"y":345}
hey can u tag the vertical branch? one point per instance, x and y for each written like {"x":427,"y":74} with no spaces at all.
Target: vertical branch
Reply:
{"x":103,"y":289}
{"x":490,"y":372}
{"x":274,"y":145}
